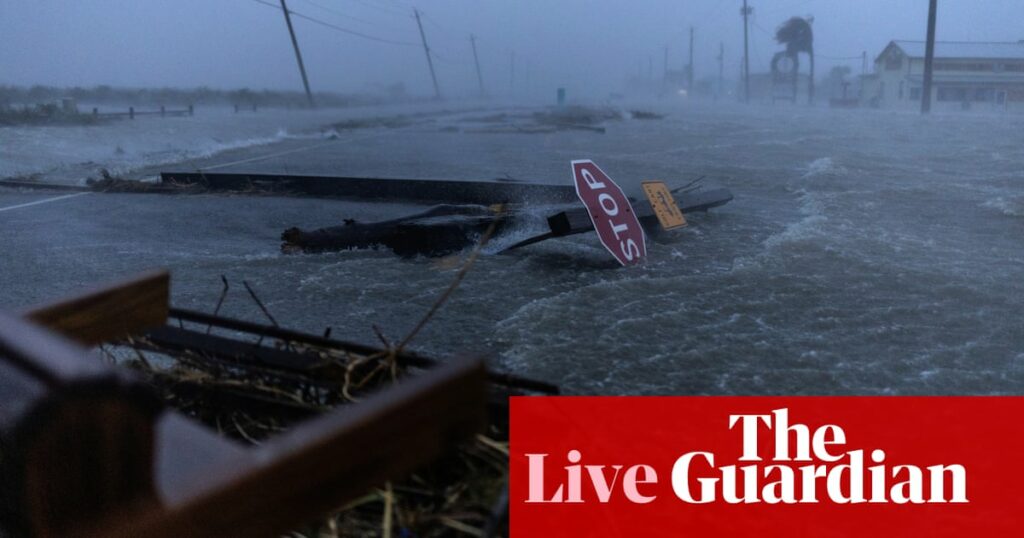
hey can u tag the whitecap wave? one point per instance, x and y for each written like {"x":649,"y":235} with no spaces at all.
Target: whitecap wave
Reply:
{"x":1012,"y":206}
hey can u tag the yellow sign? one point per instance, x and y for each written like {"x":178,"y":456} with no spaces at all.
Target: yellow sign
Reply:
{"x":664,"y":205}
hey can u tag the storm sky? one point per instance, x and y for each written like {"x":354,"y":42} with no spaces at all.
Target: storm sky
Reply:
{"x":589,"y":46}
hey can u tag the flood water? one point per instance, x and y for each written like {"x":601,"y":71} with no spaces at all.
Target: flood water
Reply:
{"x":864,"y":253}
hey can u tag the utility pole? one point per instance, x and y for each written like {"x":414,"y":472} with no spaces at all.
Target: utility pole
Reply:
{"x":746,"y":53}
{"x":721,"y":69}
{"x":426,"y":49}
{"x":476,"y":60}
{"x":664,"y":74}
{"x":689,"y":69}
{"x":298,"y":55}
{"x":929,"y":57}
{"x":864,"y":63}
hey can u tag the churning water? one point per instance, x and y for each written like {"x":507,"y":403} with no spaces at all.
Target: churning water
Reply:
{"x":865,"y":253}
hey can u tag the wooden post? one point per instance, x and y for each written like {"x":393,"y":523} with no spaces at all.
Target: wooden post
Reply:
{"x":163,"y":111}
{"x":929,"y":58}
{"x":191,"y":110}
{"x":131,"y":112}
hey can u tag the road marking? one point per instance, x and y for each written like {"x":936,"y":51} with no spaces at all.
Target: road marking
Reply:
{"x":288,"y":152}
{"x":45,"y":201}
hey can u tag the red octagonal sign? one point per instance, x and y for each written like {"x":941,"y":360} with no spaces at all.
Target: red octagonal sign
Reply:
{"x":609,"y":209}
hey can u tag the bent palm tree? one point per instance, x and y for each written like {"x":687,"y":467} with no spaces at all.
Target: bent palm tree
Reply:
{"x":797,"y":36}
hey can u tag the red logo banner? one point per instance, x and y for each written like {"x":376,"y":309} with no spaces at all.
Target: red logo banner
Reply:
{"x":766,"y":466}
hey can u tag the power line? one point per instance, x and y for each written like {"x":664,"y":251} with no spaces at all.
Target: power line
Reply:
{"x":338,"y":28}
{"x":339,"y":13}
{"x":435,"y":23}
{"x":390,"y":9}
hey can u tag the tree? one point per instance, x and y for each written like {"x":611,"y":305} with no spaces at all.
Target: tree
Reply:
{"x":797,"y":36}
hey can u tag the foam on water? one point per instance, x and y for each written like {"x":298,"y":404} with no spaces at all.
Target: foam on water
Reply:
{"x":1007,"y":205}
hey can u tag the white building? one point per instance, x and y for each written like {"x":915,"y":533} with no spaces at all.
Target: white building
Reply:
{"x":966,"y":76}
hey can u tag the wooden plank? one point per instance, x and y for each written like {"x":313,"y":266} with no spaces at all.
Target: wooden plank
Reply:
{"x":188,"y":454}
{"x":233,"y":351}
{"x":111,"y":312}
{"x":53,"y":360}
{"x":405,"y":358}
{"x":76,"y":432}
{"x":318,"y":466}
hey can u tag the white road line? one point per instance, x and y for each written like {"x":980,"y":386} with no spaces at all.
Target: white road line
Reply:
{"x":45,"y":201}
{"x":288,"y":152}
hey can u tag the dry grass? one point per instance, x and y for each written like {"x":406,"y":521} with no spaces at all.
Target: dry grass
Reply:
{"x":459,"y":495}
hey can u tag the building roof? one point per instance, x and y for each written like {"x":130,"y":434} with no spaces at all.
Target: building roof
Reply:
{"x":964,"y":50}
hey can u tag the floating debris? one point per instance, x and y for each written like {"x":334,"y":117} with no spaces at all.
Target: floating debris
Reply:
{"x":646,"y":115}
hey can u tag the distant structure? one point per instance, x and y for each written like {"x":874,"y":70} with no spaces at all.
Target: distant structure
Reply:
{"x":967,"y":76}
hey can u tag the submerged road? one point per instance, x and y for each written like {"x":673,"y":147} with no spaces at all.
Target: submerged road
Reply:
{"x":863,"y":254}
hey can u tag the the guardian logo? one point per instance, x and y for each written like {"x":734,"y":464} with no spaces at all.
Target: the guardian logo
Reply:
{"x":805,"y":466}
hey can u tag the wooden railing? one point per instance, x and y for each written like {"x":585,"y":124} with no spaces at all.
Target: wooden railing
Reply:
{"x":87,"y":449}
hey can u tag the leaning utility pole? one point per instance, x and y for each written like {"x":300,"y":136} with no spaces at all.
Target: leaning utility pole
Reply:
{"x":689,"y":69}
{"x":426,"y":49}
{"x":929,"y":57}
{"x":298,"y":55}
{"x":476,"y":60}
{"x":746,"y":54}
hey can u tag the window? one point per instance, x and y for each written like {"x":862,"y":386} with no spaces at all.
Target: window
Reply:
{"x":984,"y":95}
{"x":893,"y":62}
{"x":915,"y":94}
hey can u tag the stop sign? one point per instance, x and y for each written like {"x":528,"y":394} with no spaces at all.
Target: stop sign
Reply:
{"x":609,"y":209}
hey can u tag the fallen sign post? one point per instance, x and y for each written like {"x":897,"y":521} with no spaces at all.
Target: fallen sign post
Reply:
{"x":611,"y":213}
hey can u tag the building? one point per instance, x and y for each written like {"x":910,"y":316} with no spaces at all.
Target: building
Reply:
{"x":966,"y":76}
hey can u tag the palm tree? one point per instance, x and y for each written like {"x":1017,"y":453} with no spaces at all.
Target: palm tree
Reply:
{"x":797,"y":36}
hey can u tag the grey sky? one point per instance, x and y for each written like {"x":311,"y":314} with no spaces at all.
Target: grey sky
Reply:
{"x":588,"y":45}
